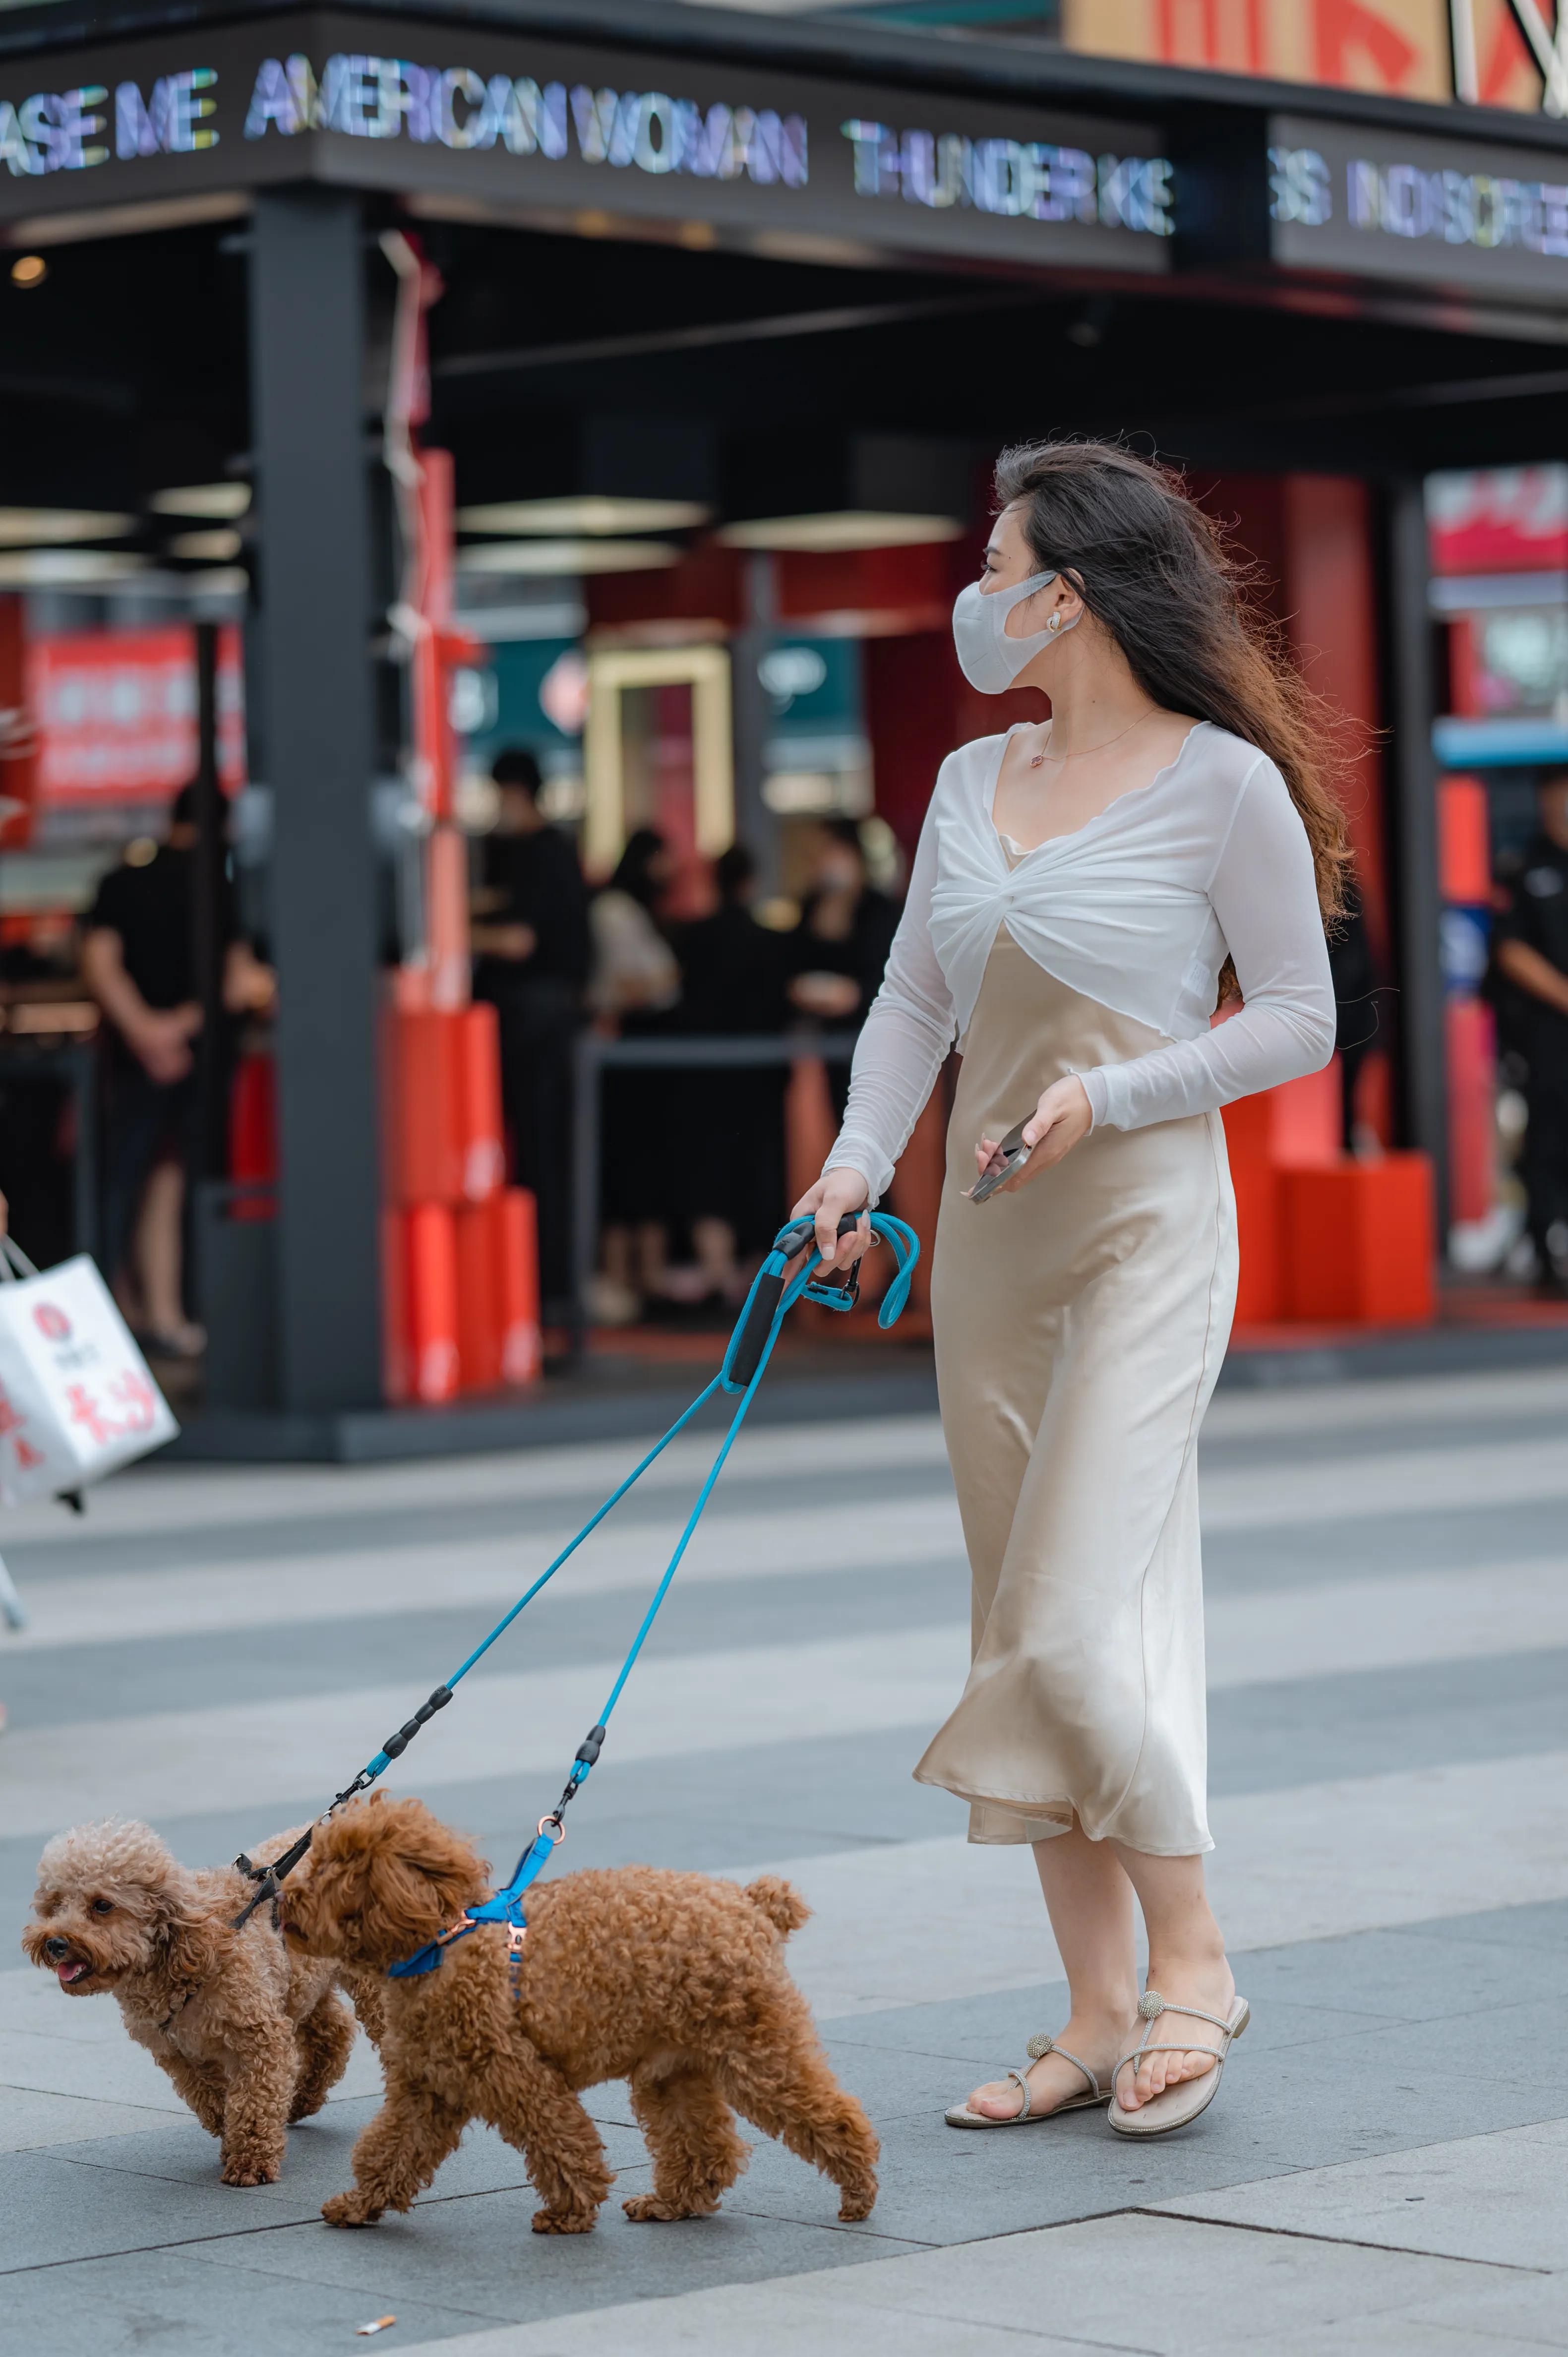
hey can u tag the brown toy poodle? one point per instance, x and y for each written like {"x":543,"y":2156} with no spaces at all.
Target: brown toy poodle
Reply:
{"x":673,"y":1981}
{"x":250,"y":2031}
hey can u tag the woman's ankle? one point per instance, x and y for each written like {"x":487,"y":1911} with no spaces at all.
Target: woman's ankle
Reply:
{"x":1175,"y":1963}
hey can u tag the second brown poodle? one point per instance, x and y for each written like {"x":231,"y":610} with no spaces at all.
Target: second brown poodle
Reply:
{"x":673,"y":1981}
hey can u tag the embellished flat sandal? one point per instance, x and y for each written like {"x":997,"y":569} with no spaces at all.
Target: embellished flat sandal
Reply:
{"x":1177,"y":2106}
{"x":960,"y":2116}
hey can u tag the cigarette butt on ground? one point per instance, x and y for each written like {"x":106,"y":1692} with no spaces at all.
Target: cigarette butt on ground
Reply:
{"x":378,"y":2324}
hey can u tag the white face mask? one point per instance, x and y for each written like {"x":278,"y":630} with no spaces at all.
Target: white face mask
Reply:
{"x":988,"y":658}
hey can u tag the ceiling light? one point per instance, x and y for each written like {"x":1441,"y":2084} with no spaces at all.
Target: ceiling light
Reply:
{"x":67,"y":568}
{"x":844,"y":529}
{"x":218,"y":547}
{"x":223,"y":501}
{"x":566,"y":557}
{"x":29,"y":270}
{"x":35,"y":527}
{"x":590,"y":512}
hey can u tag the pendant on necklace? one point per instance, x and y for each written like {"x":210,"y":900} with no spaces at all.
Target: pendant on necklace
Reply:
{"x":1037,"y":762}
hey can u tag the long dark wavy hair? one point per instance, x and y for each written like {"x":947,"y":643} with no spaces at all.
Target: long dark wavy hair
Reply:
{"x":1156,"y":571}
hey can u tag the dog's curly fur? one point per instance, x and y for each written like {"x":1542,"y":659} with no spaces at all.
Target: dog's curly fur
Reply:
{"x":251,"y":2033}
{"x":674,"y":1982}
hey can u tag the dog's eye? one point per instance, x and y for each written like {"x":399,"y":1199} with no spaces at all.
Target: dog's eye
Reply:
{"x":103,"y":1907}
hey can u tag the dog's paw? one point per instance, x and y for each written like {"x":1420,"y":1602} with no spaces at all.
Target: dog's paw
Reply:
{"x":564,"y":2222}
{"x":646,"y":2208}
{"x":256,"y":2172}
{"x":857,"y":2201}
{"x":350,"y":2209}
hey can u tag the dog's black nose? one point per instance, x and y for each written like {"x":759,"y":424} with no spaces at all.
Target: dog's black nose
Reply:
{"x":56,"y":1950}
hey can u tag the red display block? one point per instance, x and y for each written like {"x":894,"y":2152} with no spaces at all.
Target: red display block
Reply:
{"x":1359,"y":1242}
{"x":433,"y":1348}
{"x":515,"y":1220}
{"x":442,"y":1105}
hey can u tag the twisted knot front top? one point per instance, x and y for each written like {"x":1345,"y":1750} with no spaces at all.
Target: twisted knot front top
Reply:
{"x":1137,"y":909}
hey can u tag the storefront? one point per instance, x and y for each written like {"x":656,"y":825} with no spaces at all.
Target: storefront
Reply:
{"x":730,"y":317}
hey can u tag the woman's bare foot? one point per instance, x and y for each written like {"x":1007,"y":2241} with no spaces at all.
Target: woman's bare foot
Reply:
{"x":1204,"y":1981}
{"x":1053,"y":2082}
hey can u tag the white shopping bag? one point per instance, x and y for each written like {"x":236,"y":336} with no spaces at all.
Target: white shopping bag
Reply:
{"x":77,"y":1400}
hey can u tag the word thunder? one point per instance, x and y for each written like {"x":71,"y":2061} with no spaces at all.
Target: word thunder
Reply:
{"x":387,"y":98}
{"x":1029,"y":179}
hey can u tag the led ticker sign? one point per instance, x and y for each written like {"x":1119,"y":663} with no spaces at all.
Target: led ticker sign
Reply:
{"x":61,"y":132}
{"x":536,"y":130}
{"x":365,"y":97}
{"x":1388,"y":205}
{"x":1033,"y":179}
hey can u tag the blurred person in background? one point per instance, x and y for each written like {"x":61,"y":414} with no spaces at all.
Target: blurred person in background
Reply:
{"x":530,"y":932}
{"x":635,"y":986}
{"x":1531,"y":952}
{"x":837,"y":950}
{"x":733,"y":987}
{"x":138,"y":961}
{"x":1354,"y":969}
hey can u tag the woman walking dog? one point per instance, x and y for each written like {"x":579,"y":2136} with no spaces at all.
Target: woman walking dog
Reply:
{"x":1084,"y":892}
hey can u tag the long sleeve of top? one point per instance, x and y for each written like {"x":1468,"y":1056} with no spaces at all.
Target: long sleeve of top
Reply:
{"x":1138,"y":909}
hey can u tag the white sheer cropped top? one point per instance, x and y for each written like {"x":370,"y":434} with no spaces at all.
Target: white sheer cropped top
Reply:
{"x":1137,"y":909}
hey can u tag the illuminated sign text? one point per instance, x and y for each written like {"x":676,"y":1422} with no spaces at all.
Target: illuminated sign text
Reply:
{"x":1032,"y":179}
{"x":388,"y":98}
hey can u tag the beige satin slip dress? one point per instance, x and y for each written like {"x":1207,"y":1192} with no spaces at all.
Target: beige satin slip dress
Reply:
{"x":1079,"y":1328}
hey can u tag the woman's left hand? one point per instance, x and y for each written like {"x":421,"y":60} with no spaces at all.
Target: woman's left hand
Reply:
{"x":1062,"y":1116}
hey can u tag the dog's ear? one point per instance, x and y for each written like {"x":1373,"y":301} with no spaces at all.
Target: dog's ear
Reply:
{"x":190,"y":1937}
{"x":422,"y":1876}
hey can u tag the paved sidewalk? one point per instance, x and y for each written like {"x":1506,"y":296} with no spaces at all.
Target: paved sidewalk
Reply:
{"x":1388,"y":1581}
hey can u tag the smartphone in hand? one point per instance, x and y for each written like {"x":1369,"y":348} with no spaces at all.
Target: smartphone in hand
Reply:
{"x":1014,"y":1153}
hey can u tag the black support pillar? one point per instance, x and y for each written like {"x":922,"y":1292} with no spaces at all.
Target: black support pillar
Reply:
{"x":307,"y":351}
{"x":1419,"y":908}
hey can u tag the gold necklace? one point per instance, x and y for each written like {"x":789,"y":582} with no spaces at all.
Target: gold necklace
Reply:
{"x":1036,"y":758}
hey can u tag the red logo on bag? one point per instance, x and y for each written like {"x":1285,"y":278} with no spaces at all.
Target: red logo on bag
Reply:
{"x":52,"y":1323}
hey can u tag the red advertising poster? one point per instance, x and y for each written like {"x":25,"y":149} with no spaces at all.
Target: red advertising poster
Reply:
{"x":1499,"y":520}
{"x":115,"y":713}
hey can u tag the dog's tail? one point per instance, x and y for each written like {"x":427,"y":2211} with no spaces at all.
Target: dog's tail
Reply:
{"x":779,"y":1902}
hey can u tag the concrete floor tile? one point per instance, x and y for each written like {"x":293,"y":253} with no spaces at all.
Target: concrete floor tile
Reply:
{"x":1126,"y":2283}
{"x":1544,"y":1925}
{"x":53,"y":2208}
{"x":1497,"y":2197}
{"x":170,"y":2304}
{"x":111,"y":2070}
{"x":29,"y":2121}
{"x":451,"y":2253}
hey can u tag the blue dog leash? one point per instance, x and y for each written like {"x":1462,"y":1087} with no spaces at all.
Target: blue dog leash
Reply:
{"x":772,"y":1296}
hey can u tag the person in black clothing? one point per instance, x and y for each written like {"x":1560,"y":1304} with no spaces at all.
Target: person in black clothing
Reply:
{"x":530,"y":932}
{"x":839,"y":949}
{"x":733,"y":987}
{"x":138,"y":961}
{"x":1355,"y":975}
{"x":1532,"y":953}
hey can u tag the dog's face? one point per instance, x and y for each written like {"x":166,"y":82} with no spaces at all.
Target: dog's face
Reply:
{"x":109,"y":1898}
{"x":379,"y":1881}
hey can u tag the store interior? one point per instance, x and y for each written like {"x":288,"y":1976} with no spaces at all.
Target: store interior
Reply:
{"x":678,"y":463}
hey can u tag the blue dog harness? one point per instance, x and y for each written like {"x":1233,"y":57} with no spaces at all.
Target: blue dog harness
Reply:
{"x":773,"y":1295}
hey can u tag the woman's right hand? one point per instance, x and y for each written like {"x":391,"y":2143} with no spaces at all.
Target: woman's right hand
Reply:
{"x":834,"y":1196}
